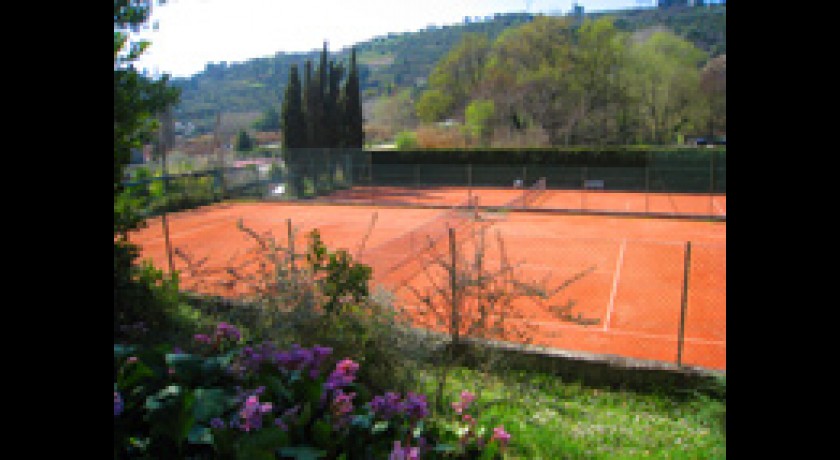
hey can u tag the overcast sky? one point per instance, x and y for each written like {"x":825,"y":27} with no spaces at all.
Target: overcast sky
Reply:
{"x":191,"y":33}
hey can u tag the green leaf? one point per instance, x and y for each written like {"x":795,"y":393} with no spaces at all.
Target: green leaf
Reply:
{"x":302,"y":452}
{"x":491,"y":451}
{"x":162,"y":397}
{"x":379,"y":427}
{"x":134,"y":374}
{"x":123,"y":351}
{"x":200,"y":435}
{"x":445,"y":448}
{"x":186,"y":366}
{"x":261,"y":444}
{"x":362,"y":421}
{"x":322,"y":433}
{"x":210,"y":403}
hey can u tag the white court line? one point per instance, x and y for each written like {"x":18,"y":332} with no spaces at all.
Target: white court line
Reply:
{"x":618,"y":264}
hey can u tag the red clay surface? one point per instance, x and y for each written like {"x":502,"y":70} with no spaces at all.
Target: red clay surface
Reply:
{"x":591,"y":200}
{"x":631,"y":289}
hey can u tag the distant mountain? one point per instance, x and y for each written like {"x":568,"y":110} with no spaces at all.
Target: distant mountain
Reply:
{"x":399,"y":60}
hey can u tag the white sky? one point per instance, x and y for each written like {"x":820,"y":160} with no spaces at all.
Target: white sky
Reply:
{"x":191,"y":33}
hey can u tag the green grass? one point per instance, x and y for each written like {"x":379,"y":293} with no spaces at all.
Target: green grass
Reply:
{"x":552,"y":419}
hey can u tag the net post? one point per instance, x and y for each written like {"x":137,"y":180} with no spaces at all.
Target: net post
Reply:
{"x":683,"y":302}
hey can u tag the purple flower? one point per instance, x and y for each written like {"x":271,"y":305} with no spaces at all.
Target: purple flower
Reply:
{"x":227,"y":331}
{"x":217,"y":423}
{"x":391,"y":404}
{"x":202,"y":338}
{"x":404,"y":453}
{"x":386,"y":406}
{"x":251,"y":413}
{"x":415,"y":406}
{"x":341,"y":407}
{"x":343,"y":375}
{"x":119,"y":405}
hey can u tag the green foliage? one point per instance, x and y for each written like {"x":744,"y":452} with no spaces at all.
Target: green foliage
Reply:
{"x":341,"y":280}
{"x":292,"y":119}
{"x":406,"y":140}
{"x":433,"y":105}
{"x":244,"y":142}
{"x":404,"y":60}
{"x":270,"y":120}
{"x":259,"y":401}
{"x":478,"y":115}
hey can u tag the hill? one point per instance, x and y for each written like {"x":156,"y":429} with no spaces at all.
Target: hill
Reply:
{"x":397,"y":62}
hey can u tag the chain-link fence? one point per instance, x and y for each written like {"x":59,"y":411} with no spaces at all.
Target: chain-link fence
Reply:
{"x":661,"y":183}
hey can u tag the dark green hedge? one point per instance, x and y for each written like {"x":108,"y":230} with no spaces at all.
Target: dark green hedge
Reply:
{"x":569,"y":156}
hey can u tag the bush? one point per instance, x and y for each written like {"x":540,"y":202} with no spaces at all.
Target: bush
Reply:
{"x":225,"y":398}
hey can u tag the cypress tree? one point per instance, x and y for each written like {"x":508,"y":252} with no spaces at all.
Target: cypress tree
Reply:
{"x":354,"y":135}
{"x":333,"y":108}
{"x":315,"y":108}
{"x":292,"y":118}
{"x":311,"y":111}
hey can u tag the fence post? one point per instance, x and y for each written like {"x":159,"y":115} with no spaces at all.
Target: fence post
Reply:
{"x":647,"y":182}
{"x":291,"y":244}
{"x":453,"y":282}
{"x":683,"y":302}
{"x":469,"y":182}
{"x":524,"y":184}
{"x":712,"y":184}
{"x":583,"y":188}
{"x":162,"y":145}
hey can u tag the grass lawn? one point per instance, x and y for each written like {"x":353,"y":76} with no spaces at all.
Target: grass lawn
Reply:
{"x":552,"y":419}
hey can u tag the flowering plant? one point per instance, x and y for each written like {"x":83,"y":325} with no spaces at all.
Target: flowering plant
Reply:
{"x":244,"y":401}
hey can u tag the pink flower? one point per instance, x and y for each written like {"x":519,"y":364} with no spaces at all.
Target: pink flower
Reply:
{"x":131,"y":360}
{"x":466,"y":399}
{"x":501,"y":435}
{"x":404,"y":453}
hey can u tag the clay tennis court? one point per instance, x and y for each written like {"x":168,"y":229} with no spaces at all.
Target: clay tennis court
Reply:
{"x":685,"y":204}
{"x":631,"y":288}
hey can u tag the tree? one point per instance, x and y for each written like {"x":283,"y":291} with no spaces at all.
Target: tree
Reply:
{"x":454,"y":78}
{"x":713,"y":85}
{"x":665,"y":74}
{"x":332,"y":106}
{"x":140,"y":292}
{"x":354,"y":135}
{"x":293,"y":124}
{"x":530,"y":77}
{"x":270,"y":120}
{"x":478,"y":116}
{"x":138,"y":100}
{"x":243,"y":143}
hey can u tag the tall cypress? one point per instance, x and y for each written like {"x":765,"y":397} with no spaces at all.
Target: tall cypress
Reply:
{"x":354,"y":135}
{"x":293,"y":124}
{"x":310,"y":102}
{"x":332,"y":106}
